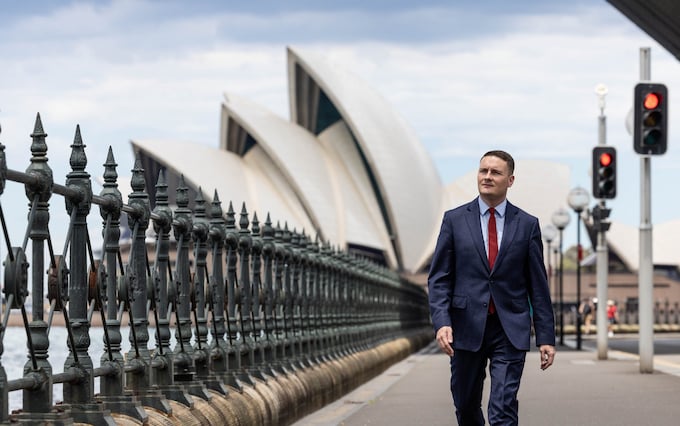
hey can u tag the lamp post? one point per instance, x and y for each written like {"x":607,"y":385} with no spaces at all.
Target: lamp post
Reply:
{"x":561,"y":219}
{"x":578,"y":200}
{"x":556,"y":259}
{"x":549,"y":233}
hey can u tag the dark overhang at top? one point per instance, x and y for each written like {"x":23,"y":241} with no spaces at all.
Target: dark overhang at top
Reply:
{"x":658,"y":18}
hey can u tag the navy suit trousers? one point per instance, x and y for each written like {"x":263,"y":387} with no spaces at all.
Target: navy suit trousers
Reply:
{"x":468,"y":371}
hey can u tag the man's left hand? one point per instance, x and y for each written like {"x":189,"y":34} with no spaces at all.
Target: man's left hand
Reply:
{"x":547,"y":356}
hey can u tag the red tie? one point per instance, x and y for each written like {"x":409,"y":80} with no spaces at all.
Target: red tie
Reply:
{"x":493,"y":249}
{"x":493,"y":238}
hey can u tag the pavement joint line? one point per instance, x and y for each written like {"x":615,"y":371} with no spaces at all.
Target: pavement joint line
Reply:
{"x":672,"y":367}
{"x":660,"y":365}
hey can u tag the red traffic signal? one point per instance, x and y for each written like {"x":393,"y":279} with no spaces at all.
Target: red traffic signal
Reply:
{"x":604,"y":172}
{"x":650,"y":120}
{"x":605,"y":159}
{"x":651,"y":101}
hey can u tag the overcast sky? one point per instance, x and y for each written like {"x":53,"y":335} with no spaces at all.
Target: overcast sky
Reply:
{"x":467,"y":75}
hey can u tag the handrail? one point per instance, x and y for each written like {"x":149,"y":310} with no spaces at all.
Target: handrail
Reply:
{"x":280,"y":302}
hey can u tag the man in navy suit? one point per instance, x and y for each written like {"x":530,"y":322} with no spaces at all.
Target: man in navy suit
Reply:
{"x":487,"y":283}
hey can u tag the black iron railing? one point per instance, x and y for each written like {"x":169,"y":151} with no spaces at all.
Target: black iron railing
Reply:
{"x":268,"y":323}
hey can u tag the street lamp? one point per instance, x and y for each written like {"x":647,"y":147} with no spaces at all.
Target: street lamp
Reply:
{"x":549,"y":233}
{"x":556,"y":259}
{"x":578,"y":200}
{"x":561,"y":219}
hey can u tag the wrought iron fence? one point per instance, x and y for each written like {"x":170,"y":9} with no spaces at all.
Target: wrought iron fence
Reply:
{"x":269,"y":324}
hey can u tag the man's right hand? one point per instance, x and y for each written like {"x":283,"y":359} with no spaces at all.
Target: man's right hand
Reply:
{"x":445,"y":339}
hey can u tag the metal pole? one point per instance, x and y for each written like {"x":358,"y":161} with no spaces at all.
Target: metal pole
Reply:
{"x":556,"y":272}
{"x":646,"y":288}
{"x":578,"y":279}
{"x":550,"y":280}
{"x":601,"y":249}
{"x":602,"y":276}
{"x":37,"y":401}
{"x":561,"y":292}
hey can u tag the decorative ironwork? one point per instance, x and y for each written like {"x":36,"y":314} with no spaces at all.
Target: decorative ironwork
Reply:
{"x":268,"y":324}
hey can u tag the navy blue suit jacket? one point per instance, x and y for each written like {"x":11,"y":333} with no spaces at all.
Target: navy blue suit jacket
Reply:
{"x":460,"y":282}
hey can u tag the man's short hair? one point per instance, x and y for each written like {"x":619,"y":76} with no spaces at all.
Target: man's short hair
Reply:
{"x":503,"y":156}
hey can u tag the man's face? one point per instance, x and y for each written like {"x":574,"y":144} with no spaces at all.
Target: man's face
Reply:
{"x":493,"y":179}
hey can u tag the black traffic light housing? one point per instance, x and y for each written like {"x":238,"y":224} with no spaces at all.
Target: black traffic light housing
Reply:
{"x":604,"y":172}
{"x":650,"y":112}
{"x":600,"y":215}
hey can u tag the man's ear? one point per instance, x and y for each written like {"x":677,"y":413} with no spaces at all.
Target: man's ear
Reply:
{"x":511,"y":180}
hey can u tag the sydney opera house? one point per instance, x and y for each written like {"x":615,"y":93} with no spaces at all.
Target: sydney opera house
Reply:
{"x":346,"y":167}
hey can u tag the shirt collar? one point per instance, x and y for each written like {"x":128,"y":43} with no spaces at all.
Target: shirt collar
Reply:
{"x":500,"y":209}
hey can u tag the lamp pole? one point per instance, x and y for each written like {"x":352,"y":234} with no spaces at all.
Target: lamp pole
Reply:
{"x":549,"y":233}
{"x":561,"y":219}
{"x":578,"y":199}
{"x":557,"y":269}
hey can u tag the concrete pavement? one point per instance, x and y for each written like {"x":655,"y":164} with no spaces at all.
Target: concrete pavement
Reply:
{"x":578,"y":389}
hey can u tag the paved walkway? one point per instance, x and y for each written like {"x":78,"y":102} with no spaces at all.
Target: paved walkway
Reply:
{"x":578,"y":389}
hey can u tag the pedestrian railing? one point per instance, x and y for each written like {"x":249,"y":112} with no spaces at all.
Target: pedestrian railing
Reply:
{"x":268,"y":324}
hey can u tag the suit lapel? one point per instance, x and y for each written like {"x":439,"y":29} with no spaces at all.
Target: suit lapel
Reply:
{"x":475,"y":227}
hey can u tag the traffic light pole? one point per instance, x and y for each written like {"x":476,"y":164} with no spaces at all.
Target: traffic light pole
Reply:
{"x":601,"y":251}
{"x":602,"y":279}
{"x":645,"y":271}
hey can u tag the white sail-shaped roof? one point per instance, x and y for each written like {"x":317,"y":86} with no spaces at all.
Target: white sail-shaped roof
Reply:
{"x":323,"y":173}
{"x":254,"y":181}
{"x":405,"y":179}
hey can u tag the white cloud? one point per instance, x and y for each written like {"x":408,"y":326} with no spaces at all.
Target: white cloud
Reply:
{"x":129,"y":69}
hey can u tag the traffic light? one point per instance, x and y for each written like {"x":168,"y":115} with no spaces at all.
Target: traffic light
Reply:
{"x":604,"y":172}
{"x":650,"y":118}
{"x":600,"y":215}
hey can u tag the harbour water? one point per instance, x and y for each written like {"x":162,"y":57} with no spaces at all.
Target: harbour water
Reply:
{"x":16,"y":355}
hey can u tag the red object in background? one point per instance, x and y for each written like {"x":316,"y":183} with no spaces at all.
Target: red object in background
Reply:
{"x":651,"y":101}
{"x":605,"y":159}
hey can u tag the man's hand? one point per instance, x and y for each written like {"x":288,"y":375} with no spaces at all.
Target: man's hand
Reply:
{"x":445,"y":339}
{"x":547,"y":355}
